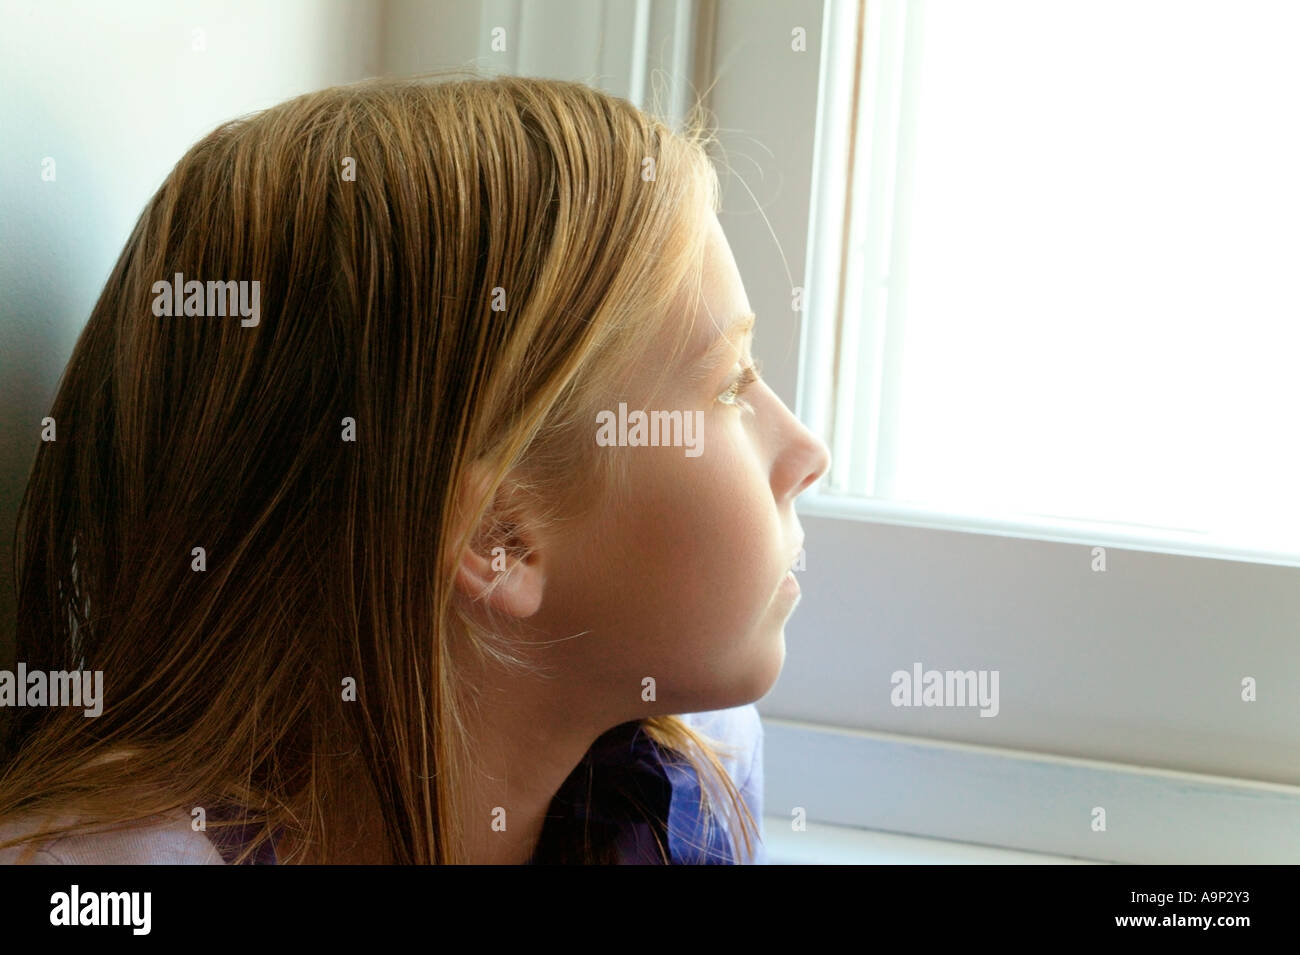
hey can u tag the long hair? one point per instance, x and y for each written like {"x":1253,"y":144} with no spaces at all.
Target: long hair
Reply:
{"x":318,"y":459}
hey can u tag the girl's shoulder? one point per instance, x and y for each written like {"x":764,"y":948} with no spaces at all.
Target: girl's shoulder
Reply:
{"x":738,"y":731}
{"x":165,"y":840}
{"x":649,"y":800}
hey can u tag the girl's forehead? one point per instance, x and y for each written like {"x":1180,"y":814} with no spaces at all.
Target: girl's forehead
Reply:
{"x":722,"y":309}
{"x":701,"y":330}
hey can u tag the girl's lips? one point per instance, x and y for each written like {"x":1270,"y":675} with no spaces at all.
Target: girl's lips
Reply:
{"x":789,"y":584}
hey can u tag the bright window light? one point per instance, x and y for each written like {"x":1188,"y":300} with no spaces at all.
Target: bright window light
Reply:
{"x":1069,"y":267}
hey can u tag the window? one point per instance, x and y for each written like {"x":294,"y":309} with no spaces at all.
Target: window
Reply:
{"x":1047,"y":315}
{"x":1056,"y":247}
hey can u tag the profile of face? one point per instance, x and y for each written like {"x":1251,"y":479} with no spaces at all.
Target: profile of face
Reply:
{"x":686,"y":580}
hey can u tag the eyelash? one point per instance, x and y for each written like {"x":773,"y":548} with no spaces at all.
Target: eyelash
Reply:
{"x":749,"y":375}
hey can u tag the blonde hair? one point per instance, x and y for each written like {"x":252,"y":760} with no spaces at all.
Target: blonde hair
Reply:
{"x":377,"y":305}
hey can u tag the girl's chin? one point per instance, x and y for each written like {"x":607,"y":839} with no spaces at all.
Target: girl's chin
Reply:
{"x":767,"y":669}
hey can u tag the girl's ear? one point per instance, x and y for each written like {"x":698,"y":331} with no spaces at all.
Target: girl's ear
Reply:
{"x":503,"y":564}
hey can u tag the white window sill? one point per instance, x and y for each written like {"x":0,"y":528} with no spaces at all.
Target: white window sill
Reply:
{"x":860,"y":788}
{"x":843,"y":845}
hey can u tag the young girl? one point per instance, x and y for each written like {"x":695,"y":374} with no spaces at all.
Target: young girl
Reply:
{"x":411,"y":471}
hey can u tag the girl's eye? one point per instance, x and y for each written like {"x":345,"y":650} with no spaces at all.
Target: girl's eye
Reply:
{"x":748,"y":376}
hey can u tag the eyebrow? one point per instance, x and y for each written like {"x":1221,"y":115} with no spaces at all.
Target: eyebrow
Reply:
{"x":740,"y":327}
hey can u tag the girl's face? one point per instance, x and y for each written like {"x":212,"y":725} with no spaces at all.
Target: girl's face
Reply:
{"x":686,"y":581}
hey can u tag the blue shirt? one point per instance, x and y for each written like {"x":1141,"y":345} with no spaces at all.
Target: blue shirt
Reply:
{"x":626,"y":761}
{"x":624,"y":778}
